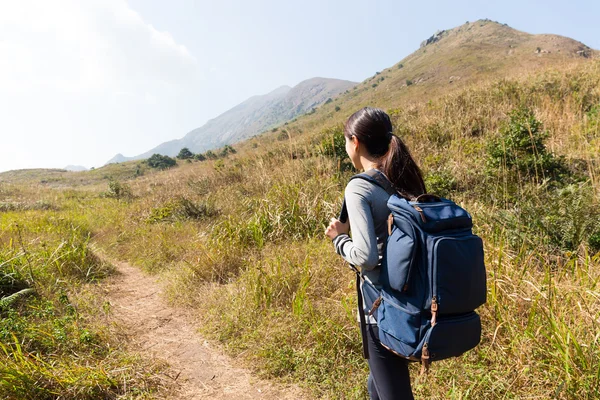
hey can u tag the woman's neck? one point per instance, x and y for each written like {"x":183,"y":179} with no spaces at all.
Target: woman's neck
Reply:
{"x":367,"y":163}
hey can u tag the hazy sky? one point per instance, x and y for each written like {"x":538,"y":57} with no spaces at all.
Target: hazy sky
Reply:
{"x":82,"y":80}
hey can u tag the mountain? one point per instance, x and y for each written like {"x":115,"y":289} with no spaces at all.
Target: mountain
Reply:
{"x":252,"y":117}
{"x":75,"y":168}
{"x":471,"y":53}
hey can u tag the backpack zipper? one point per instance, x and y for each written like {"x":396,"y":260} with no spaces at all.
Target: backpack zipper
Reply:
{"x":421,"y":213}
{"x":425,"y":359}
{"x":434,"y":310}
{"x":376,"y":305}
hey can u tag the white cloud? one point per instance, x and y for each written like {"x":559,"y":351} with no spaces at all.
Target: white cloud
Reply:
{"x":93,"y":45}
{"x":83,"y":79}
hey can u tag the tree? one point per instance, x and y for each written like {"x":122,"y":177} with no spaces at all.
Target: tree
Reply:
{"x":161,"y":162}
{"x":185,"y":154}
{"x":228,"y":150}
{"x":210,"y":155}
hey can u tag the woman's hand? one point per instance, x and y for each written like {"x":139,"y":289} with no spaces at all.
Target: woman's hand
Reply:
{"x":336,"y":228}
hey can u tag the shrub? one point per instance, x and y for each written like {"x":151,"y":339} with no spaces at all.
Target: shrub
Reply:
{"x":409,"y":82}
{"x":521,"y":148}
{"x":210,"y":155}
{"x":560,"y":218}
{"x":182,"y":209}
{"x":200,"y":157}
{"x":159,"y":161}
{"x":230,"y":149}
{"x":333,"y":143}
{"x":337,"y":108}
{"x":283,"y":135}
{"x":118,"y":190}
{"x":185,"y":154}
{"x":440,"y":183}
{"x":225,"y":151}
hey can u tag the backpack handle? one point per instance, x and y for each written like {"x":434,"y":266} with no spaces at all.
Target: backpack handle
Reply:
{"x":428,"y":198}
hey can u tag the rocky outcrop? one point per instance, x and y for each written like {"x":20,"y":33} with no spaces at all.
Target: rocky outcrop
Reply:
{"x":436,"y":36}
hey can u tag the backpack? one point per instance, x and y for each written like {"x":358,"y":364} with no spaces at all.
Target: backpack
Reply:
{"x":432,"y":276}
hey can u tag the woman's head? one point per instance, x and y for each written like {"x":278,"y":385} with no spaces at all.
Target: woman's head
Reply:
{"x":372,"y":128}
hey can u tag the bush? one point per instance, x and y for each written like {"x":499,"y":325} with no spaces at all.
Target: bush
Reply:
{"x":210,"y":155}
{"x":200,"y":157}
{"x":230,"y":149}
{"x":226,"y":151}
{"x":185,"y":154}
{"x":409,"y":82}
{"x":520,"y":148}
{"x":333,"y":143}
{"x":118,"y":190}
{"x":159,"y":161}
{"x":560,"y":218}
{"x":283,"y":135}
{"x":182,"y":209}
{"x":440,"y":183}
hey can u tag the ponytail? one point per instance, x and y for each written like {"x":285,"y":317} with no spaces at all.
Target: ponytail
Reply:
{"x":373,"y":128}
{"x":402,"y":170}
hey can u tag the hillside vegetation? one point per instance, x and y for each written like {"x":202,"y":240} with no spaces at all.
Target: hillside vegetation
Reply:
{"x":240,"y":240}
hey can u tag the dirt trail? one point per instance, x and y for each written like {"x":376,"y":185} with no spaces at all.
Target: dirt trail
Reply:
{"x":160,"y":331}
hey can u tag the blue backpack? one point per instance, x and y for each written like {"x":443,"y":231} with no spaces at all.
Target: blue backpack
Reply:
{"x":432,"y":276}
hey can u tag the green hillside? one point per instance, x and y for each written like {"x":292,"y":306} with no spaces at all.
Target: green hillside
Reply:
{"x":239,"y":240}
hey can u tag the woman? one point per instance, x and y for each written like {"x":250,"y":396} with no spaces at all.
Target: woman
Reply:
{"x":370,"y":144}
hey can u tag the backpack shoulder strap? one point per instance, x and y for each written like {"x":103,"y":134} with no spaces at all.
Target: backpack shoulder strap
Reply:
{"x":377,"y":178}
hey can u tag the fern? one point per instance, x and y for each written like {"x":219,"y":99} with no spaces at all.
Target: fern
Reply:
{"x":7,"y":301}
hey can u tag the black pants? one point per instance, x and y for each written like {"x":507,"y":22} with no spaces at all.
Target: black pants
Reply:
{"x":389,"y":378}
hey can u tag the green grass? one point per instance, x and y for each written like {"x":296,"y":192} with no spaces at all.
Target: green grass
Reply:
{"x":49,"y":345}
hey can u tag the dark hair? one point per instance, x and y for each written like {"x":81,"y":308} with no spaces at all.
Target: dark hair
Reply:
{"x":373,"y":128}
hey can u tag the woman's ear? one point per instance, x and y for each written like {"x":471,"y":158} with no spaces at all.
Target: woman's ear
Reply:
{"x":355,"y":143}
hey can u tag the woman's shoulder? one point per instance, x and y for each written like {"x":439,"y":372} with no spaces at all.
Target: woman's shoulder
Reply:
{"x":363,"y":187}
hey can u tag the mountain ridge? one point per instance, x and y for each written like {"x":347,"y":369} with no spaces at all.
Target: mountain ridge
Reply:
{"x":251,"y":117}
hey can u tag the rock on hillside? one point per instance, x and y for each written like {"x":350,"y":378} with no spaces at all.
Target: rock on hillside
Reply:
{"x":252,"y":117}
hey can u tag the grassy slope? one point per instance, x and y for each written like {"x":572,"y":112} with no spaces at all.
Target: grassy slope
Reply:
{"x":470,"y":54}
{"x":241,"y":239}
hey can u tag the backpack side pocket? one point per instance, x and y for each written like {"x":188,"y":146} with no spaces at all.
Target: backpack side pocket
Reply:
{"x":400,"y":326}
{"x":400,"y":252}
{"x":453,"y":336}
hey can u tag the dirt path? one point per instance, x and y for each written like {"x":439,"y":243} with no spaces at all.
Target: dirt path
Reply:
{"x":158,"y":330}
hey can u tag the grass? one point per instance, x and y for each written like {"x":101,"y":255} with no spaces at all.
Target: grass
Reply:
{"x":50,"y":346}
{"x":240,"y":241}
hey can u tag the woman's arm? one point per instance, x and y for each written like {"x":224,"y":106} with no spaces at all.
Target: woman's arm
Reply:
{"x":361,"y":249}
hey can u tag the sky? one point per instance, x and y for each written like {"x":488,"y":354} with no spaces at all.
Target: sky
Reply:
{"x":83,"y":80}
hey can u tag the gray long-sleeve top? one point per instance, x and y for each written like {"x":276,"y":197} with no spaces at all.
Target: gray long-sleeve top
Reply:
{"x":367,"y":213}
